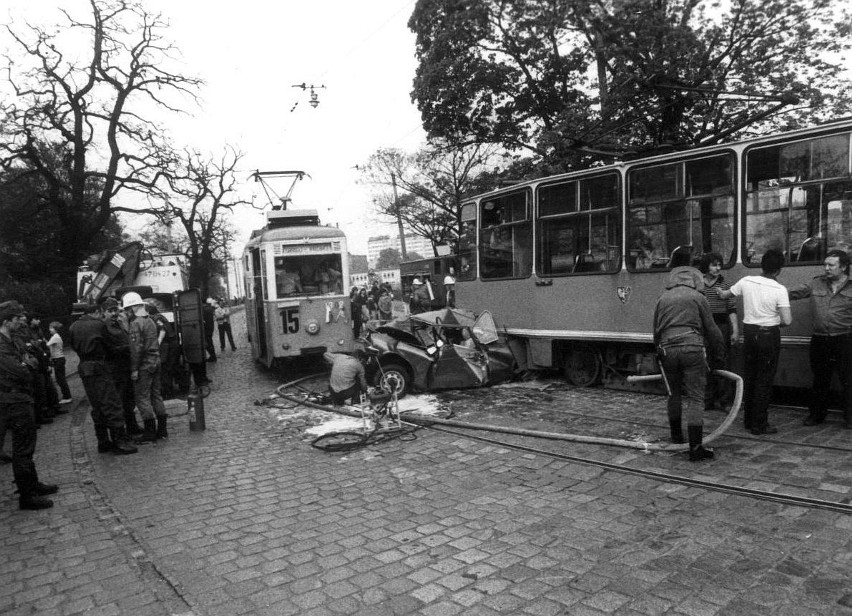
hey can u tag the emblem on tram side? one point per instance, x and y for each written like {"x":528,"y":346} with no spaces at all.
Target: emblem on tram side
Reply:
{"x":334,"y":311}
{"x":623,"y":294}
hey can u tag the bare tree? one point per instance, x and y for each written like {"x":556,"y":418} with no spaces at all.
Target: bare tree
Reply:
{"x":203,"y":197}
{"x":434,"y":182}
{"x":98,"y":106}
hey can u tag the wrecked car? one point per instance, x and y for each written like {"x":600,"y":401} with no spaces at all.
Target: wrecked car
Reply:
{"x":440,"y":349}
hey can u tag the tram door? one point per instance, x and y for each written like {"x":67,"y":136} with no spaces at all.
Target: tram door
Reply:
{"x":258,"y":267}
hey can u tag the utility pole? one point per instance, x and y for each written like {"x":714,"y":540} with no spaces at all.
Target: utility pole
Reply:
{"x":402,"y":250}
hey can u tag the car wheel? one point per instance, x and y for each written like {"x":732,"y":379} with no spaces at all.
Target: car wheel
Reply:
{"x":392,"y":378}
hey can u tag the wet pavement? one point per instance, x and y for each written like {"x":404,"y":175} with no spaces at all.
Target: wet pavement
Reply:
{"x":247,"y":518}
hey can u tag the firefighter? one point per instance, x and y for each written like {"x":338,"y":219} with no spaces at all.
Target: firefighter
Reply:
{"x":683,"y":326}
{"x":17,"y":372}
{"x":88,"y":337}
{"x":145,"y":368}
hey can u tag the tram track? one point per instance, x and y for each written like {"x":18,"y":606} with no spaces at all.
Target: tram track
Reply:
{"x":454,"y":428}
{"x":745,"y":437}
{"x":764,"y":495}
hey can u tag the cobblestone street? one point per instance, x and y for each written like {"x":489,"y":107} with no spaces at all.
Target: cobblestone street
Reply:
{"x":247,"y":518}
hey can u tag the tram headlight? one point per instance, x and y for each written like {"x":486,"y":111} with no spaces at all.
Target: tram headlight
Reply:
{"x":312,"y":327}
{"x":286,"y":346}
{"x":341,"y":342}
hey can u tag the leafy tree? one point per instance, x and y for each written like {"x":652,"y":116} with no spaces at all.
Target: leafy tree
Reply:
{"x":203,"y":195}
{"x":31,"y":234}
{"x":389,"y":258}
{"x":574,"y":81}
{"x":434,"y":181}
{"x":94,"y":106}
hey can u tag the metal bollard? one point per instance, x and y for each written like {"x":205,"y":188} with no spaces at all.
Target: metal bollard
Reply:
{"x":195,"y":409}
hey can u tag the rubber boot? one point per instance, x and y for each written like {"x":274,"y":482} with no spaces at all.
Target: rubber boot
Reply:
{"x":149,"y":431}
{"x":121,"y":444}
{"x":102,"y":434}
{"x":162,"y":426}
{"x":130,"y":424}
{"x":676,"y":430}
{"x":696,"y":449}
{"x":30,"y":499}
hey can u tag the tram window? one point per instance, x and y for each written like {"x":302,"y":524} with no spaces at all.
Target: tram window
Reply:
{"x":679,"y":209}
{"x":557,"y":199}
{"x":795,"y":203}
{"x":505,"y":238}
{"x":308,"y":275}
{"x":814,"y":159}
{"x":467,"y":244}
{"x":803,"y":222}
{"x":585,"y":241}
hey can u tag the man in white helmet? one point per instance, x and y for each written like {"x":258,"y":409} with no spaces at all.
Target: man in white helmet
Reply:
{"x":420,"y":300}
{"x":145,"y":370}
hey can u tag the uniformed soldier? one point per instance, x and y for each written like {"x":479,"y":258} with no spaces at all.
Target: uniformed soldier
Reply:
{"x":17,"y":370}
{"x":118,"y":361}
{"x":88,"y":337}
{"x":145,"y":368}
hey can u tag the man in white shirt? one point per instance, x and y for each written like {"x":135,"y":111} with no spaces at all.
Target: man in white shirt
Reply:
{"x":766,"y":308}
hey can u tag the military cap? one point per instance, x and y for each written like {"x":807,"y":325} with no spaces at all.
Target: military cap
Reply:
{"x":110,"y":302}
{"x":10,"y":309}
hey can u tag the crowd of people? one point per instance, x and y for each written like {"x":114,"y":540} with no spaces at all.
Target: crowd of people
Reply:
{"x":697,"y":307}
{"x":127,"y":351}
{"x":375,"y":303}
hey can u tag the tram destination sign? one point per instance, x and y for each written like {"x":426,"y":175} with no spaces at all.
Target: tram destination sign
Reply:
{"x":307,"y":249}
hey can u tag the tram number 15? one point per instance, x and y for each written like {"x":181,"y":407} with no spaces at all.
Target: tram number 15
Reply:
{"x":291,"y":320}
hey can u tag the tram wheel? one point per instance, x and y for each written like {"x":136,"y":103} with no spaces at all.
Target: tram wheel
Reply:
{"x":583,"y":365}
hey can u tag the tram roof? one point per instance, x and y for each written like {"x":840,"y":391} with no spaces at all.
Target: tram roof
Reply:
{"x":295,"y":233}
{"x":804,"y":133}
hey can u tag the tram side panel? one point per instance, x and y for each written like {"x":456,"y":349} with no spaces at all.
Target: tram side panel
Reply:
{"x":612,"y":314}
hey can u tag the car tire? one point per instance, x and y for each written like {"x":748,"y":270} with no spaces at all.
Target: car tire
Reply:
{"x":393,"y":376}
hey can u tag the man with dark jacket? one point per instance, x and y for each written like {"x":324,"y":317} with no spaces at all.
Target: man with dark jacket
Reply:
{"x":88,"y":337}
{"x":208,"y":313}
{"x":118,"y":361}
{"x":17,"y":371}
{"x":683,"y":327}
{"x":831,"y":342}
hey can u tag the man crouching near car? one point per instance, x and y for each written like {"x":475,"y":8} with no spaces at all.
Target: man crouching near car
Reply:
{"x":348,"y":378}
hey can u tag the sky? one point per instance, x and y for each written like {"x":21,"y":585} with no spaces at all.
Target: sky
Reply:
{"x":250,"y":54}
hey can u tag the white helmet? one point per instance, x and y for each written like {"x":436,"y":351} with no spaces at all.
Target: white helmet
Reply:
{"x":416,"y":281}
{"x":131,"y":299}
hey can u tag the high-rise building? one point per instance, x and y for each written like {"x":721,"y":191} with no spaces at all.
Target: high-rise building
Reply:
{"x":413,"y":243}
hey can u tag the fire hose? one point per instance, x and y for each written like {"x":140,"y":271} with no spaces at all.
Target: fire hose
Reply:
{"x":577,"y":438}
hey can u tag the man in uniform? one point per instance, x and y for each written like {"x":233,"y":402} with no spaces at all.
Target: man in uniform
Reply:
{"x":683,"y":327}
{"x":17,"y":370}
{"x":145,"y":369}
{"x":831,"y":342}
{"x":118,"y":361}
{"x":88,"y":336}
{"x":348,"y":378}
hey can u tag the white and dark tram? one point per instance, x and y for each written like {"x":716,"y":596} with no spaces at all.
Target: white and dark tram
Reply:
{"x":297,"y":288}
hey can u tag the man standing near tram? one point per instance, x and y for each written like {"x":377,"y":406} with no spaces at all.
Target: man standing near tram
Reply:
{"x":831,"y":342}
{"x":683,"y":328}
{"x":766,"y":309}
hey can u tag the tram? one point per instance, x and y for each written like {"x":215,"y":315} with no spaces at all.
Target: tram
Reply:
{"x":297,"y":288}
{"x":431,"y":271}
{"x":571,"y":265}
